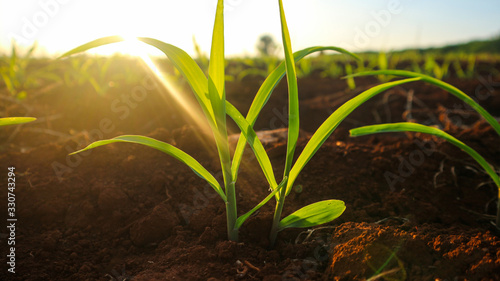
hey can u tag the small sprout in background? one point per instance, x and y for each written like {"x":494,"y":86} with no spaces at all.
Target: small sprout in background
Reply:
{"x":350,"y":81}
{"x":19,"y":76}
{"x":304,"y":68}
{"x":382,"y":65}
{"x":201,"y":57}
{"x":298,"y":188}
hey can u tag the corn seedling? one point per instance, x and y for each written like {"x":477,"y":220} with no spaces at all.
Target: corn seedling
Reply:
{"x":19,"y":78}
{"x":382,"y":65}
{"x":202,"y":57}
{"x":443,"y":85}
{"x":471,"y":66}
{"x":331,"y":68}
{"x":415,"y":127}
{"x":129,"y":73}
{"x":350,"y":81}
{"x":100,"y":83}
{"x":262,"y":67}
{"x":459,"y":70}
{"x":455,"y":61}
{"x":429,"y":64}
{"x":412,"y":127}
{"x":77,"y":73}
{"x":14,"y":74}
{"x":210,"y":94}
{"x":304,"y":68}
{"x":394,"y":59}
{"x":432,"y":67}
{"x":15,"y":120}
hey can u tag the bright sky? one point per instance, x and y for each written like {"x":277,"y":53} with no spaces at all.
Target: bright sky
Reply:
{"x":60,"y":25}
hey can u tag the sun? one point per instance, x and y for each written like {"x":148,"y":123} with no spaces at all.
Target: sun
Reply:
{"x":133,"y":47}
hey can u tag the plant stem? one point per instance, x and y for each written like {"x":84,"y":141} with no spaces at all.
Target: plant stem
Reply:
{"x":231,"y":211}
{"x":497,"y":222}
{"x":280,"y":202}
{"x":276,"y":221}
{"x":229,"y":183}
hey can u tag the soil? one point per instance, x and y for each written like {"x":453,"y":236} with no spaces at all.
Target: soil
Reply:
{"x":417,"y":208}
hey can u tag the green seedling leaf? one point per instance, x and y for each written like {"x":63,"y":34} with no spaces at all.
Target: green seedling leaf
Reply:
{"x":443,"y":85}
{"x":243,"y":218}
{"x":216,"y":76}
{"x":330,"y":124}
{"x":217,"y":96}
{"x":216,"y":64}
{"x":265,"y":92}
{"x":314,"y":214}
{"x":93,"y":44}
{"x":15,"y":120}
{"x":413,"y":127}
{"x":293,"y":93}
{"x":8,"y":83}
{"x":190,"y":70}
{"x":168,"y":149}
{"x":254,"y":142}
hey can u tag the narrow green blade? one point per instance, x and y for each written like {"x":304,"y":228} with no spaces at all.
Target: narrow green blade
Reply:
{"x":189,"y":70}
{"x":217,"y":96}
{"x":331,"y":123}
{"x":413,"y":127}
{"x":243,"y":218}
{"x":254,"y":142}
{"x":8,"y":82}
{"x":265,"y":92}
{"x":443,"y":85}
{"x":314,"y":214}
{"x":216,"y":66}
{"x":293,"y":93}
{"x":93,"y":44}
{"x":15,"y":120}
{"x":168,"y":149}
{"x":216,"y":74}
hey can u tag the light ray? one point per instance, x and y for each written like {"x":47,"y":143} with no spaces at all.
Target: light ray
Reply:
{"x":169,"y":87}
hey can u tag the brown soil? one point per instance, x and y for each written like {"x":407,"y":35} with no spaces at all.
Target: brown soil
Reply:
{"x":417,"y":208}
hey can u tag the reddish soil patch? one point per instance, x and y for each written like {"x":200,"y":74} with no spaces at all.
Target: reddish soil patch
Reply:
{"x":417,"y":209}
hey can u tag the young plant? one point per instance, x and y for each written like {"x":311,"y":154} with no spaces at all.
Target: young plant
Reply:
{"x":350,"y":81}
{"x":443,"y":85}
{"x":15,"y":73}
{"x":304,"y":68}
{"x":412,"y":127}
{"x":19,"y":78}
{"x":470,"y":68}
{"x":382,"y":65}
{"x":81,"y":72}
{"x":210,"y":94}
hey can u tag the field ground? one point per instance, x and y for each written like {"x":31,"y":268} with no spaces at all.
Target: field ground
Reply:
{"x":417,"y":208}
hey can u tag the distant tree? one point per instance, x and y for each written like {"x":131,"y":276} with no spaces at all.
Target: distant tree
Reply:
{"x":266,"y":45}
